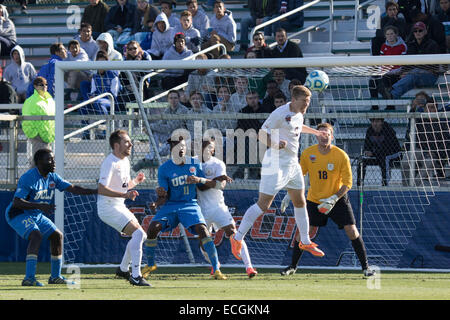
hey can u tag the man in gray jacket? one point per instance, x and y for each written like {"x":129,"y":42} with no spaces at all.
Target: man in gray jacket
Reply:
{"x":19,"y":72}
{"x":222,"y":30}
{"x":8,"y":37}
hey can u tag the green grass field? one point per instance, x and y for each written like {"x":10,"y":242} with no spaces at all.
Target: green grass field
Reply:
{"x":196,"y":284}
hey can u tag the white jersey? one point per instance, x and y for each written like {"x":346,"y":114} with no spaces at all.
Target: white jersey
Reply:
{"x":114,"y":174}
{"x":212,"y":198}
{"x":289,"y":126}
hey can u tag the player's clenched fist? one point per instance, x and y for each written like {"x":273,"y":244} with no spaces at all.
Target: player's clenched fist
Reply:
{"x":132,"y":194}
{"x":139,"y":178}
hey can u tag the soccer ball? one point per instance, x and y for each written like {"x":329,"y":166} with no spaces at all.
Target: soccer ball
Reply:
{"x":317,"y":80}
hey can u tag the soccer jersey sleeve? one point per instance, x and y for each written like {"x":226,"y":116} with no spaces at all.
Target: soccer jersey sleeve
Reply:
{"x":304,"y":163}
{"x":61,"y":184}
{"x":271,"y":122}
{"x":162,"y":178}
{"x":346,"y":171}
{"x":23,"y":188}
{"x":106,"y":173}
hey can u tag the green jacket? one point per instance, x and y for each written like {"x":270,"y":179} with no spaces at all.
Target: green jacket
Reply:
{"x":39,"y":106}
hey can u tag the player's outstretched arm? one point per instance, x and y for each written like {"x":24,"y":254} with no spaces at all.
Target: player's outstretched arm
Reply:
{"x":23,"y":204}
{"x":202,"y":183}
{"x":317,"y":133}
{"x":105,"y":191}
{"x":80,"y":190}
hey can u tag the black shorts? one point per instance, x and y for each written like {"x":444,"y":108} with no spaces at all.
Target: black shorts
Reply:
{"x":341,"y":214}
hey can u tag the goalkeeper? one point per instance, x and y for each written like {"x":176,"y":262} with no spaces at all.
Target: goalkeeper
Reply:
{"x":330,"y":178}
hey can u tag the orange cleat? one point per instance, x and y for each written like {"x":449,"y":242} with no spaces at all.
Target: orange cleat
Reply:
{"x":311,"y":248}
{"x":236,"y":247}
{"x":251,"y":272}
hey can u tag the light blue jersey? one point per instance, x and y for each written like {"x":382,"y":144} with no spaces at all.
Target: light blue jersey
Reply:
{"x":181,"y":206}
{"x":173,"y":178}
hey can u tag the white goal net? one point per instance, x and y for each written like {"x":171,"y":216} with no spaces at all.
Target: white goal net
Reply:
{"x":393,"y":180}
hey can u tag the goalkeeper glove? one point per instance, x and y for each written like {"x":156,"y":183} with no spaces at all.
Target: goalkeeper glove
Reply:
{"x":327,"y":204}
{"x":285,"y":203}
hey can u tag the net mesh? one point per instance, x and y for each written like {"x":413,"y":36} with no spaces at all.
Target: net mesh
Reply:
{"x":394,"y":193}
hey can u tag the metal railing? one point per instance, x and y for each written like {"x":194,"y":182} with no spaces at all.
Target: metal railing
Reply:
{"x":155,"y":73}
{"x":358,"y":7}
{"x":284,"y":15}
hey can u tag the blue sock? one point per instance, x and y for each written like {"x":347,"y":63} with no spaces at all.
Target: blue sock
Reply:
{"x":55,"y":262}
{"x":30,"y":265}
{"x":210,"y":248}
{"x":149,"y":248}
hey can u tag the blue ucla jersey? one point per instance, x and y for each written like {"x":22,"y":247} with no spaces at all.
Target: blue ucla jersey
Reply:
{"x":34,"y":188}
{"x":173,"y":178}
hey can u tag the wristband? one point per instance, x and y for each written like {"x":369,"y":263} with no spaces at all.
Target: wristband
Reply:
{"x":202,"y":180}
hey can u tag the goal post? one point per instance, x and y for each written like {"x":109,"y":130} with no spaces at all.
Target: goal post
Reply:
{"x":345,"y":103}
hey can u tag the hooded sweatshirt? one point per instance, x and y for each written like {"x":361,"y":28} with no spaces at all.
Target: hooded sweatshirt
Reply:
{"x":201,"y":22}
{"x":193,"y":39}
{"x":172,"y":54}
{"x":7,"y":28}
{"x":162,"y":41}
{"x":398,"y":48}
{"x":225,"y":26}
{"x":21,"y":75}
{"x":113,"y":55}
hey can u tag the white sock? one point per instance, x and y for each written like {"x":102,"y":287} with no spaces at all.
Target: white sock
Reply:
{"x":245,"y":256}
{"x":126,"y":259}
{"x":302,"y":220}
{"x":248,"y":220}
{"x":137,"y":239}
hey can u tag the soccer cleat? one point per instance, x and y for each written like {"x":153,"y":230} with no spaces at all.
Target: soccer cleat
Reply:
{"x":31,"y":283}
{"x":236,"y":247}
{"x":251,"y":272}
{"x":369,"y":272}
{"x":59,"y":280}
{"x":122,"y":274}
{"x":212,"y":269}
{"x":219,"y":275}
{"x":288,"y":271}
{"x":311,"y":248}
{"x":147,"y":270}
{"x":139,"y":281}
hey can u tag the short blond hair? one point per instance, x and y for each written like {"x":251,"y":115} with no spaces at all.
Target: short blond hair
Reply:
{"x":300,"y":91}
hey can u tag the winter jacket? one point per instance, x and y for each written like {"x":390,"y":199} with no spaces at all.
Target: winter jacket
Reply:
{"x":36,"y":105}
{"x":172,"y":54}
{"x":7,"y":28}
{"x":95,"y":16}
{"x":162,"y":41}
{"x":120,"y":16}
{"x":21,"y":75}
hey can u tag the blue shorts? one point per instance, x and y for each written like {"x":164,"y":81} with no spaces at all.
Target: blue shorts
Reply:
{"x":24,"y":224}
{"x":172,"y":213}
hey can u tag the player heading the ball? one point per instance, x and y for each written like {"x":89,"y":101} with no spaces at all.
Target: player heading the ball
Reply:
{"x":280,"y":168}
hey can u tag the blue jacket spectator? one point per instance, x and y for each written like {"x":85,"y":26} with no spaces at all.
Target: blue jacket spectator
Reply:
{"x":58,"y":53}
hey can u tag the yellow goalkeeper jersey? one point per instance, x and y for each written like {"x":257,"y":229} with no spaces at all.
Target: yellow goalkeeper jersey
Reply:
{"x":327,"y":173}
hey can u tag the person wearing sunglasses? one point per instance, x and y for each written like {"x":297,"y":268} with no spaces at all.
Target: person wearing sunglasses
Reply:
{"x":41,"y":133}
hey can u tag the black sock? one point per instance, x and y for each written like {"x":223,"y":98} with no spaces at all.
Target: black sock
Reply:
{"x":360,"y":250}
{"x":296,"y":255}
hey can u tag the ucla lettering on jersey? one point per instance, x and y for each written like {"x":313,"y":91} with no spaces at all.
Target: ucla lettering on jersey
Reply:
{"x":35,"y":188}
{"x":173,"y":178}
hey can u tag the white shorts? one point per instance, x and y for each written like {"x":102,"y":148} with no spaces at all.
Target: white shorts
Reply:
{"x":115,"y":215}
{"x":217,"y":218}
{"x":288,"y":176}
